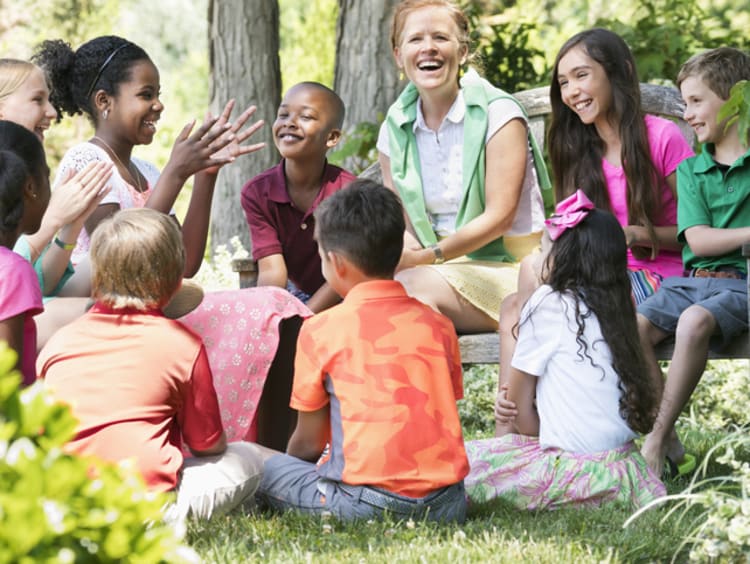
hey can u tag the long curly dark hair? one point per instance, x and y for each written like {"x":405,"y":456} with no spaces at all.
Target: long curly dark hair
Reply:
{"x":589,"y":264}
{"x":75,"y":76}
{"x":576,"y":150}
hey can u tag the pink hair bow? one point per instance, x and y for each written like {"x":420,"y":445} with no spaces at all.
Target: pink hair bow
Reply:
{"x":568,"y":213}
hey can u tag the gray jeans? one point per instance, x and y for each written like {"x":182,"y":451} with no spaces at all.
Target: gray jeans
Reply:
{"x":291,"y":483}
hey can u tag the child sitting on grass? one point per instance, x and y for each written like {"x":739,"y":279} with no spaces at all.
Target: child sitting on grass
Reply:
{"x":139,"y":383}
{"x":279,"y":203}
{"x":707,"y":306}
{"x":578,"y":391}
{"x":376,"y":382}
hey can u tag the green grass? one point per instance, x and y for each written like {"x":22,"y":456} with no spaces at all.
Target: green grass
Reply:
{"x":494,"y":532}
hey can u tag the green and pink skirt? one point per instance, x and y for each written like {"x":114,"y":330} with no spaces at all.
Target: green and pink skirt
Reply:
{"x":517,"y":469}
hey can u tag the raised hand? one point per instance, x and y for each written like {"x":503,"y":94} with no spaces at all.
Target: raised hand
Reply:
{"x":215,"y":143}
{"x":236,"y":136}
{"x":78,"y":195}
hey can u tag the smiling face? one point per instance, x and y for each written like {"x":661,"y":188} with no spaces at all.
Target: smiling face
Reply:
{"x":429,"y":50}
{"x":135,"y":109}
{"x":29,"y":104}
{"x":701,"y":109}
{"x":305,"y":125}
{"x":584,"y":86}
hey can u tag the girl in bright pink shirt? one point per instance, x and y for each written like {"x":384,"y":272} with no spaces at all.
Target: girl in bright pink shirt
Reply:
{"x":24,"y":195}
{"x":601,"y":142}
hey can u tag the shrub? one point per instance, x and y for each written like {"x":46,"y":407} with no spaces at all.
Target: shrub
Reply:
{"x":718,"y":509}
{"x":56,"y":507}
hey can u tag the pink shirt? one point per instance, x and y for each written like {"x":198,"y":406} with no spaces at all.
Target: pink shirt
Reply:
{"x":668,"y":149}
{"x":20,"y":294}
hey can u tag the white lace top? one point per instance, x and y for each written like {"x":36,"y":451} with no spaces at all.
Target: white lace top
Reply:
{"x":122,"y":193}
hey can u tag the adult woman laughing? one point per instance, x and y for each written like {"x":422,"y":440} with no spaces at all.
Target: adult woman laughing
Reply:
{"x":458,"y":152}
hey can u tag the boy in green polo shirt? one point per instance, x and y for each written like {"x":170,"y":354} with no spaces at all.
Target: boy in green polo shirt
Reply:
{"x":708,"y":306}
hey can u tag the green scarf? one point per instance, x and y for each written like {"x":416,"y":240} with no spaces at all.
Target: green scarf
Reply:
{"x":405,"y":169}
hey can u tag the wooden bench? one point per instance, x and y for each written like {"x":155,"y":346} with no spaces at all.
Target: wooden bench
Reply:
{"x":483,"y":348}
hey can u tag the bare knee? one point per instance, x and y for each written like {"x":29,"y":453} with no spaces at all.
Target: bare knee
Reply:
{"x":695,"y":326}
{"x":649,"y":332}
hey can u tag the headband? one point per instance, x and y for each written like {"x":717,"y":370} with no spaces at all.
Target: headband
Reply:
{"x":568,"y":213}
{"x":104,"y":66}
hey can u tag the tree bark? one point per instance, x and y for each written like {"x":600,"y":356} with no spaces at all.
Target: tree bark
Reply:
{"x":366,"y":76}
{"x":244,"y":64}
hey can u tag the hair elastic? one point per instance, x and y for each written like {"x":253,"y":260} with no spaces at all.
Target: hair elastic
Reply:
{"x":104,"y":66}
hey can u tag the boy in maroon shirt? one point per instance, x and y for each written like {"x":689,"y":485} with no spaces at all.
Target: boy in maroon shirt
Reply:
{"x":279,"y":203}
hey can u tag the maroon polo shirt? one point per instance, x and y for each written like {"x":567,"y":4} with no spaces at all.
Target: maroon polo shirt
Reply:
{"x":278,"y":227}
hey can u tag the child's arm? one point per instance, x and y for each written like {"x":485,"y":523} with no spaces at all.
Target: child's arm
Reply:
{"x":522,"y":392}
{"x":272,"y":271}
{"x":217,"y":448}
{"x":324,"y":298}
{"x":11,"y":331}
{"x":311,"y":435}
{"x":666,"y":235}
{"x":706,"y":241}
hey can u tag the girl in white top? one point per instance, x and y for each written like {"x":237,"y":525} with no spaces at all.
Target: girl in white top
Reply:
{"x":578,"y":391}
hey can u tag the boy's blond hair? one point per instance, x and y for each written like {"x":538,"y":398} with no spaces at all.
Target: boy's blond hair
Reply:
{"x":137,"y":259}
{"x":719,"y":68}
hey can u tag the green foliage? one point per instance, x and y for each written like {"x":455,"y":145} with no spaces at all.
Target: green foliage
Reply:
{"x":55,"y":507}
{"x":737,"y":109}
{"x":663,"y":34}
{"x":506,"y":49}
{"x":715,"y":510}
{"x":357,"y":149}
{"x":477,"y":408}
{"x":308,"y":41}
{"x":719,"y":403}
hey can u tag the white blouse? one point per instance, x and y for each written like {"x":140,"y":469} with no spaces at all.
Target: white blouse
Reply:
{"x":441,"y":162}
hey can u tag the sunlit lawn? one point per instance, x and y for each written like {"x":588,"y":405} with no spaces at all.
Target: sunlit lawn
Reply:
{"x":493,"y":532}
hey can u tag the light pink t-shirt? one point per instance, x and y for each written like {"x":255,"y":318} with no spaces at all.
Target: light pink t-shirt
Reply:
{"x":20,"y":294}
{"x":668,"y":149}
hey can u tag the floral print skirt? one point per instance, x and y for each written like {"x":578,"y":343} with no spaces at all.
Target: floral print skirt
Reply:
{"x":240,"y":329}
{"x":518,"y":469}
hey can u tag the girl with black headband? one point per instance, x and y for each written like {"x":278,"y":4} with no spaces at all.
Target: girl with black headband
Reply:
{"x":115,"y":83}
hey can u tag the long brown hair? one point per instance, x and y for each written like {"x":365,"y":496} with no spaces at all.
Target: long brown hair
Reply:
{"x":576,"y":150}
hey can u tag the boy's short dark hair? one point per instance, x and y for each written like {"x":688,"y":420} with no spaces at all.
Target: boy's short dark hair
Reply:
{"x":337,"y":106}
{"x":365,"y":223}
{"x":719,"y":68}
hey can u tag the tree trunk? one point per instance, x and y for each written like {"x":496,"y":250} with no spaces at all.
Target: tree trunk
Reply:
{"x":244,"y":64}
{"x":366,"y":76}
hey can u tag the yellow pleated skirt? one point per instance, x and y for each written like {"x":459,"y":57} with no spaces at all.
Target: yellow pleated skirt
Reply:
{"x":485,"y":284}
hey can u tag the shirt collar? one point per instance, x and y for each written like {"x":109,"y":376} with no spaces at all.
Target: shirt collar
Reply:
{"x":375,"y":290}
{"x":706,"y":162}
{"x":277,"y":191}
{"x":455,"y":114}
{"x":100,"y":307}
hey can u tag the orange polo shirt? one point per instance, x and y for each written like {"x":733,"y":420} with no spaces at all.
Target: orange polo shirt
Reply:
{"x":137,"y":383}
{"x":391,"y":369}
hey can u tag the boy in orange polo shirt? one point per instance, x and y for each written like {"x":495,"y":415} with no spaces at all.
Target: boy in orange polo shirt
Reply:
{"x":139,"y":383}
{"x":376,"y":381}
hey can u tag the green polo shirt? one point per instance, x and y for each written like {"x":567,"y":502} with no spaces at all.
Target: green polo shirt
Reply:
{"x":708,"y":195}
